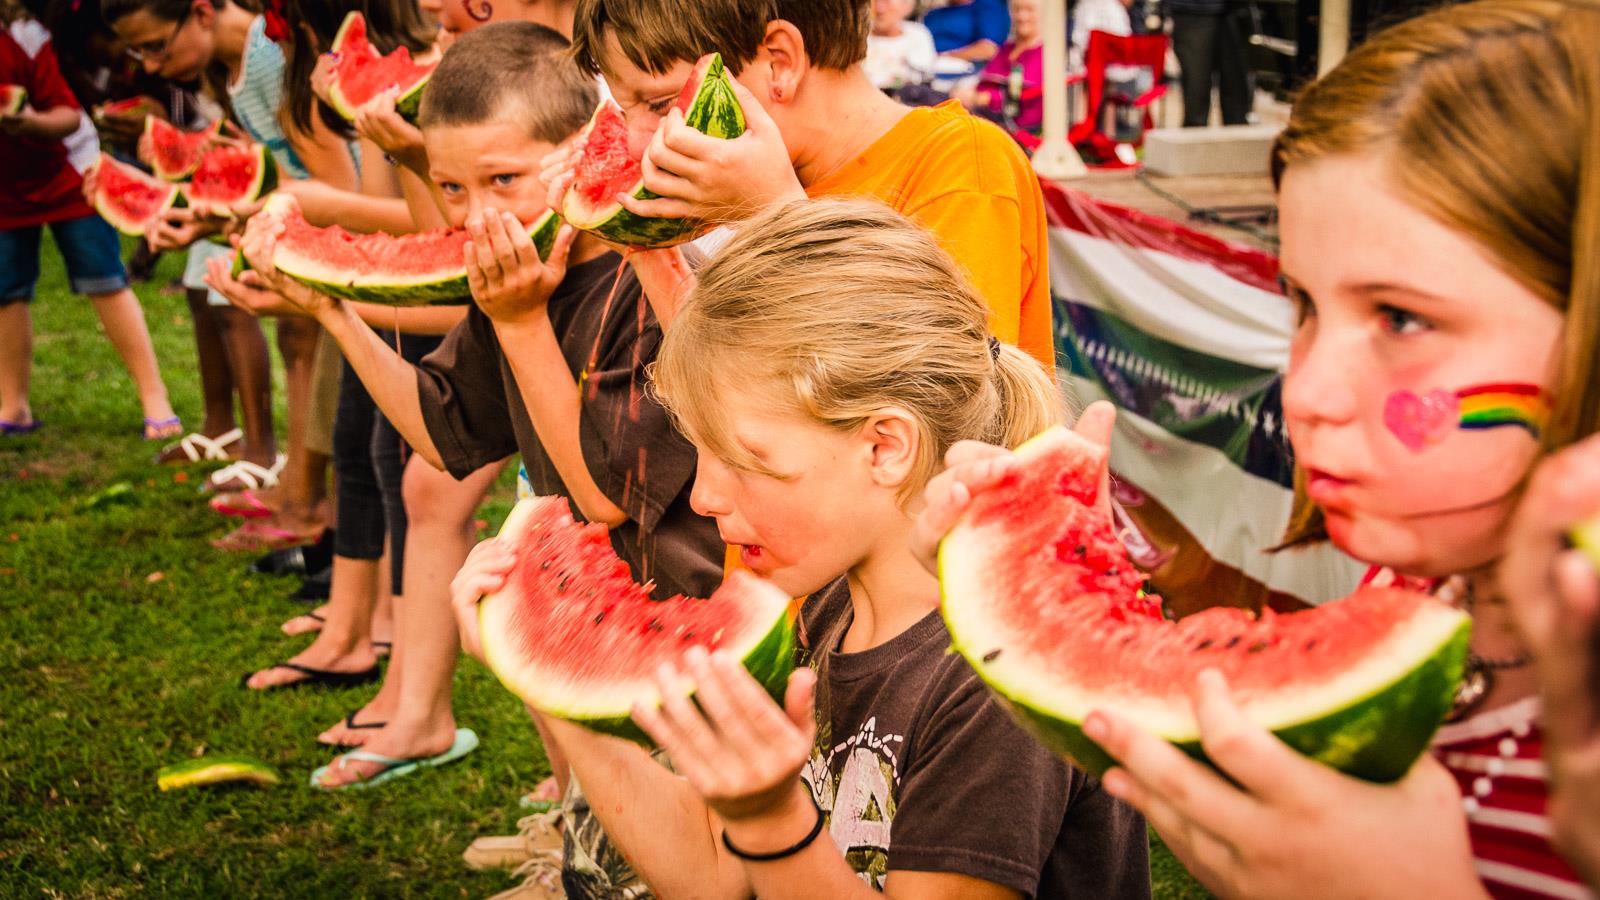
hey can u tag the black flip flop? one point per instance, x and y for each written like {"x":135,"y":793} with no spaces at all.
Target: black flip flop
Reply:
{"x":315,"y":677}
{"x":351,"y":723}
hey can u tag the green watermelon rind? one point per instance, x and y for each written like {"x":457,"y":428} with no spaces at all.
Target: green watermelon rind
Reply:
{"x":447,"y":288}
{"x":215,"y":770}
{"x":715,"y":111}
{"x":408,"y":103}
{"x":18,"y":99}
{"x":1376,"y":736}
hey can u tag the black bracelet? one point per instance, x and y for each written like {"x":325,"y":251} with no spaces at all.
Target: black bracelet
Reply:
{"x":786,"y":852}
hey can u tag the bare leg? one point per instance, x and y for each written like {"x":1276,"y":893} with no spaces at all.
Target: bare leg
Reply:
{"x":246,"y":349}
{"x":123,"y":321}
{"x":415,"y":701}
{"x":304,"y":477}
{"x":345,"y":643}
{"x":16,"y":362}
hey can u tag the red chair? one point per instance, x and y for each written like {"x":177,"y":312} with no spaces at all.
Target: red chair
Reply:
{"x":1133,"y":52}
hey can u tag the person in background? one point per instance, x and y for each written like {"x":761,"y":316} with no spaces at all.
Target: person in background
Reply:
{"x":1110,"y":16}
{"x":900,"y":50}
{"x":1207,"y":41}
{"x":970,"y":31}
{"x":1008,"y":87}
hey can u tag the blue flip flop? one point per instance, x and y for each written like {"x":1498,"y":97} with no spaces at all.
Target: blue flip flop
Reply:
{"x":396,"y":766}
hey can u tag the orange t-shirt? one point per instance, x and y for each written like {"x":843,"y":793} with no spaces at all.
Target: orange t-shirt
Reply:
{"x":966,"y":181}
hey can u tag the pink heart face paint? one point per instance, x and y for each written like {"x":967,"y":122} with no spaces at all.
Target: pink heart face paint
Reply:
{"x":1421,"y":421}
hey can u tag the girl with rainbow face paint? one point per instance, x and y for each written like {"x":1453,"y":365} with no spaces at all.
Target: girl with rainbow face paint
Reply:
{"x":1440,"y":215}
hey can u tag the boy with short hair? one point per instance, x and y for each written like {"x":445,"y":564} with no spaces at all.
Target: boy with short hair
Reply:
{"x":818,"y":127}
{"x":508,"y":377}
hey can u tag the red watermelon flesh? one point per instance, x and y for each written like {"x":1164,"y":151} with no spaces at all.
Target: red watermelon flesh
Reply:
{"x":173,"y":153}
{"x":360,"y":72}
{"x":13,"y":97}
{"x":232,"y":174}
{"x":574,"y":635}
{"x":607,"y":168}
{"x":128,"y":198}
{"x":1044,"y":602}
{"x":121,"y":107}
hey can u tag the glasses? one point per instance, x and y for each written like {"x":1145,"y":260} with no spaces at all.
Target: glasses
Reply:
{"x":156,"y":51}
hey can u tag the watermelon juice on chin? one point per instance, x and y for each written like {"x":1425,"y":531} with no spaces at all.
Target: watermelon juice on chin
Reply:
{"x":1043,"y":601}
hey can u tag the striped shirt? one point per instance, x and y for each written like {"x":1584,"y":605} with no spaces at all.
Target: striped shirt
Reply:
{"x":257,"y":97}
{"x":1497,"y":758}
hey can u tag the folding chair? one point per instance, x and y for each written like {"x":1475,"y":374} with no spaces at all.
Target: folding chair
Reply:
{"x":1123,"y":76}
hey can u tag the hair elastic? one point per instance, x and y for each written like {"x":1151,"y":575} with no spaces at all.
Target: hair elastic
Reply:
{"x":994,"y":347}
{"x":786,"y":852}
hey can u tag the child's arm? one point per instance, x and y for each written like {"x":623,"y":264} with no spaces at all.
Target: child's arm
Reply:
{"x":511,"y":285}
{"x":49,"y":125}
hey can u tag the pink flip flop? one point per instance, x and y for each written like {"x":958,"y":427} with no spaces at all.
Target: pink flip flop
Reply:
{"x":241,"y":504}
{"x":260,"y":536}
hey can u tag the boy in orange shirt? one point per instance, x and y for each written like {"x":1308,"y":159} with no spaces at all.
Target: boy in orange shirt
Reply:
{"x":818,"y":127}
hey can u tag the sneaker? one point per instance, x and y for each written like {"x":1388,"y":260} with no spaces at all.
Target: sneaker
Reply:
{"x":537,"y":834}
{"x":541,"y":879}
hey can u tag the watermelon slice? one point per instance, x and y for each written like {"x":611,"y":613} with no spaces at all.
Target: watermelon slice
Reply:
{"x":607,"y":169}
{"x":126,"y":107}
{"x":360,"y":73}
{"x":404,"y":270}
{"x":1041,"y":599}
{"x":128,"y":198}
{"x":13,"y":97}
{"x":574,"y":636}
{"x":215,"y":770}
{"x":174,"y":154}
{"x":231,"y":175}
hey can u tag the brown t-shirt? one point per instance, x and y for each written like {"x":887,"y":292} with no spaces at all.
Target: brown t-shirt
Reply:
{"x":920,"y":768}
{"x":475,"y":415}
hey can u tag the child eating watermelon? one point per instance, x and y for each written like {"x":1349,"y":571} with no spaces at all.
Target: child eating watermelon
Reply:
{"x":818,"y":127}
{"x":819,"y":407}
{"x":507,"y":379}
{"x":1447,"y":340}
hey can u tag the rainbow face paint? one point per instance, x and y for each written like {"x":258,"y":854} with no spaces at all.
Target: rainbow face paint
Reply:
{"x":1422,"y":420}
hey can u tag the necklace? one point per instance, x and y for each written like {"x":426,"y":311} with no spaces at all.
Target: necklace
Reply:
{"x":1477,"y":677}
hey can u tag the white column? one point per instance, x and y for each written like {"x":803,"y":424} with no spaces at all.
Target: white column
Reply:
{"x":1333,"y":34}
{"x":1056,"y":159}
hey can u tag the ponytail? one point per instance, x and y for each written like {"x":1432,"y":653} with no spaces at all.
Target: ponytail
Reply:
{"x":1029,"y":400}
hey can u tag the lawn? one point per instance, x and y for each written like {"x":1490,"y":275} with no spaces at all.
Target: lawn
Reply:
{"x":125,"y":636}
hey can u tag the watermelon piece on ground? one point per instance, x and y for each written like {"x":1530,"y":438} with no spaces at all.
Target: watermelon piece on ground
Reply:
{"x":606,"y":168}
{"x":395,"y":270}
{"x":174,"y":154}
{"x":232,"y":175}
{"x":13,"y":97}
{"x":1042,"y":600}
{"x":575,"y":637}
{"x":360,"y":73}
{"x":221,"y":769}
{"x":128,"y":198}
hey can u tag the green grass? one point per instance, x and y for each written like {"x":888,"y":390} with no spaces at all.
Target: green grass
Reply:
{"x":124,"y":638}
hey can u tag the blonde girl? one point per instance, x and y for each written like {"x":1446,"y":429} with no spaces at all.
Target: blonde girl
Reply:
{"x":1440,"y":202}
{"x":827,"y":359}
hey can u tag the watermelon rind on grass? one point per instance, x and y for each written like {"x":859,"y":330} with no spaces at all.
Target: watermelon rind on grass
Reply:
{"x":13,"y":97}
{"x":219,"y":769}
{"x":1360,"y":684}
{"x":353,"y":51}
{"x":709,"y":105}
{"x":423,"y":269}
{"x":587,"y":675}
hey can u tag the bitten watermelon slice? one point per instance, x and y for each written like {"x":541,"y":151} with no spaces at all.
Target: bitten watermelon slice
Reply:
{"x":360,"y":72}
{"x":396,"y":270}
{"x":13,"y":97}
{"x":1041,"y":599}
{"x":231,"y":175}
{"x":174,"y":154}
{"x":607,"y":169}
{"x":574,"y":636}
{"x":128,"y":198}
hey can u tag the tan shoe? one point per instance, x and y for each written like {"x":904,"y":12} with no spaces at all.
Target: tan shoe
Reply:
{"x":542,"y":879}
{"x":535,"y":833}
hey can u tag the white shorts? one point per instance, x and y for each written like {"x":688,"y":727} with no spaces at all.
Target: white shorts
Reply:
{"x":194,"y":271}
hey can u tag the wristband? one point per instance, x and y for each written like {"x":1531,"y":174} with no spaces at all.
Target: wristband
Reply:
{"x":786,"y":852}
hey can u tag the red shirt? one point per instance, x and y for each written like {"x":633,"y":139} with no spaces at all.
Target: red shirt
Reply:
{"x":40,"y":180}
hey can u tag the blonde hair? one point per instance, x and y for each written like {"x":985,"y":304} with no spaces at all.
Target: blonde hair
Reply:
{"x":1487,"y":115}
{"x":839,"y":309}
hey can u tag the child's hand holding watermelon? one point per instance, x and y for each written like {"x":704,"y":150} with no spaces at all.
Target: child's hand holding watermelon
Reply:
{"x":379,"y":122}
{"x":509,"y":282}
{"x":259,"y":246}
{"x":714,"y":180}
{"x":483,"y":573}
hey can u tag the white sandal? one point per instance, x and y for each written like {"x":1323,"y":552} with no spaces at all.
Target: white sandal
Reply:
{"x":252,"y":477}
{"x":199,"y":448}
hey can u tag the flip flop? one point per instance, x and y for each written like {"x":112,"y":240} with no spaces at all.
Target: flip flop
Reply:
{"x":196,"y":447}
{"x":17,"y":429}
{"x":244,"y":475}
{"x":314,"y":678}
{"x":383,"y":648}
{"x":241,"y":504}
{"x":351,"y":723}
{"x":161,"y":429}
{"x":395,"y":766}
{"x":258,"y":535}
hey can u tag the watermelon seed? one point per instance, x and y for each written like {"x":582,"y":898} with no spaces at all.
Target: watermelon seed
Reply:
{"x":599,"y":617}
{"x":1234,"y":641}
{"x":544,"y":566}
{"x":1311,"y":644}
{"x":1258,"y":646}
{"x":1203,"y":644}
{"x":654,"y":625}
{"x":688,"y":635}
{"x":565,"y":580}
{"x":991,"y":656}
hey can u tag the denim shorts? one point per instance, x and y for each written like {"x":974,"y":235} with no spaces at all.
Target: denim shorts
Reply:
{"x":88,"y":245}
